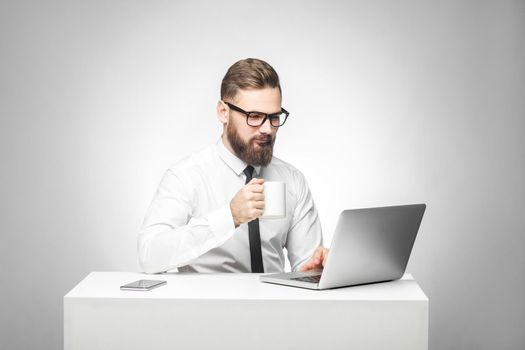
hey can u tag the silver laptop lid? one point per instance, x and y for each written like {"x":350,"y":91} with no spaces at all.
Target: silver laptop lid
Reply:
{"x":371,"y":245}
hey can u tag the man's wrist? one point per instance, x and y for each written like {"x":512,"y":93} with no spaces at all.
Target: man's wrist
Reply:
{"x":236,"y":222}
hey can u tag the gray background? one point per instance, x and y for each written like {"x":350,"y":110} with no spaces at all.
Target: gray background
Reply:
{"x":391,"y":101}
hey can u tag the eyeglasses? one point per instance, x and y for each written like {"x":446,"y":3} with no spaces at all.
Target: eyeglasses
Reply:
{"x":258,"y":118}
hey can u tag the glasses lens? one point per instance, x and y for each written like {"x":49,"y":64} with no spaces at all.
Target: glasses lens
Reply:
{"x":278,"y":119}
{"x":255,"y":119}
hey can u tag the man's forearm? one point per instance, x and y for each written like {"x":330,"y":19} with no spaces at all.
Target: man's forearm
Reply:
{"x":162,"y":248}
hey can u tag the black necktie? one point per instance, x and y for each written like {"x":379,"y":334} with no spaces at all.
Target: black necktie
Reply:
{"x":254,"y":234}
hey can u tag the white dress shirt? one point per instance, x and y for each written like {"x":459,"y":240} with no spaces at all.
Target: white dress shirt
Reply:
{"x":189,"y":224}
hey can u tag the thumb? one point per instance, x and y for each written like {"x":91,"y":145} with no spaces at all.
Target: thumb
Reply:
{"x":325,"y":255}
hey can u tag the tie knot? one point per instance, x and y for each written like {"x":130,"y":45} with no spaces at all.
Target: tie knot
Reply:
{"x":249,"y":173}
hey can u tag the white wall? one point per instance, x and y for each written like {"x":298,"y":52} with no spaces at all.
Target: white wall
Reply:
{"x":391,"y":102}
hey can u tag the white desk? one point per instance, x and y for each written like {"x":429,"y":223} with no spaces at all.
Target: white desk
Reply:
{"x":236,"y":311}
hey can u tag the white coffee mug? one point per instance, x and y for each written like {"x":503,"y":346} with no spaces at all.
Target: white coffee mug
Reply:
{"x":274,"y":200}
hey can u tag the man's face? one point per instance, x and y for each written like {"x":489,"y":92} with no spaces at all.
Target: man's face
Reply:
{"x":253,"y":144}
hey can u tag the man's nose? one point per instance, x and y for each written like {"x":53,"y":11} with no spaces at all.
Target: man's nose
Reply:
{"x":266,"y":127}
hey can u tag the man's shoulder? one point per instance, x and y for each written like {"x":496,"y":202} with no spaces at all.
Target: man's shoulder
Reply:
{"x":284,"y":168}
{"x":296,"y":182}
{"x":279,"y":163}
{"x":195,"y":160}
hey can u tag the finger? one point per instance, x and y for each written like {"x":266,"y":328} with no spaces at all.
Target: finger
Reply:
{"x":312,"y":264}
{"x":323,"y":258}
{"x":258,"y":204}
{"x":305,"y":267}
{"x":314,"y":261}
{"x":325,"y":255}
{"x":256,"y":188}
{"x":318,"y":255}
{"x":257,"y":197}
{"x":256,"y":181}
{"x":254,"y":213}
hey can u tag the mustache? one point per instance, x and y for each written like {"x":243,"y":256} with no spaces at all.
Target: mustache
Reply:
{"x":263,"y":139}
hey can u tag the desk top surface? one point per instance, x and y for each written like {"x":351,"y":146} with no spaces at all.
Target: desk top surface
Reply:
{"x":194,"y":286}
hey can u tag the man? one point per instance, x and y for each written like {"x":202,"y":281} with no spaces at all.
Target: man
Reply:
{"x":204,"y":216}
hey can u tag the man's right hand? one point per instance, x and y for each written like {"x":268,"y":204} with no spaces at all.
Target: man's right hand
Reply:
{"x":248,"y":203}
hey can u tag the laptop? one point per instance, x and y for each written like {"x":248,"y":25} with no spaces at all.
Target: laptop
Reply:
{"x":369,"y":245}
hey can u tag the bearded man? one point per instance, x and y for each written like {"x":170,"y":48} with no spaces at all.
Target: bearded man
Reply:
{"x":204,"y":216}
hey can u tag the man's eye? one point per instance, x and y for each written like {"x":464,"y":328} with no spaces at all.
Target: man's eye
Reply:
{"x":256,"y":116}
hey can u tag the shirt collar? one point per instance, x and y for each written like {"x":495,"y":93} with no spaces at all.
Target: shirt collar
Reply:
{"x":231,"y":159}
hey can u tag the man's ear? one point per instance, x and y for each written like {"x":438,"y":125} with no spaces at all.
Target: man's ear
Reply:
{"x":222,"y":112}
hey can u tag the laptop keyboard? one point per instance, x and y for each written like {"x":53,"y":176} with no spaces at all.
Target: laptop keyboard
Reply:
{"x":311,"y":279}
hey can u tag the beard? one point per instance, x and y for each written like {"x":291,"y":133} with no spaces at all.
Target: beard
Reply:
{"x":257,"y":151}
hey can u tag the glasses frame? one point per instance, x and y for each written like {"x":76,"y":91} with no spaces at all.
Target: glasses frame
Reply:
{"x":266,"y":115}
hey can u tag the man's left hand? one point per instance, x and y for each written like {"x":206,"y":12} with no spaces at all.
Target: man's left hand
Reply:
{"x":317,"y":261}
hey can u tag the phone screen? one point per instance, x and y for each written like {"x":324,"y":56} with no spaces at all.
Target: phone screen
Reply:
{"x":143,"y":285}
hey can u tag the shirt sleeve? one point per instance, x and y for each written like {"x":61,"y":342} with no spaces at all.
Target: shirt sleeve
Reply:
{"x":305,"y":234}
{"x":171,"y":236}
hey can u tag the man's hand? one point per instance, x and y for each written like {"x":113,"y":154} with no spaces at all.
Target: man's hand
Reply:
{"x":317,"y":261}
{"x":248,"y":203}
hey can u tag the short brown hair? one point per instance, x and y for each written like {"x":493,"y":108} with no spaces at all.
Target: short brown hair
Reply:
{"x":248,"y":73}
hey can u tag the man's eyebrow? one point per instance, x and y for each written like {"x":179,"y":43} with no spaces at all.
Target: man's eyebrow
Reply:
{"x":273,"y":113}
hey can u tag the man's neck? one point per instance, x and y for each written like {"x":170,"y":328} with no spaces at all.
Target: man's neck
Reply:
{"x":226,"y":144}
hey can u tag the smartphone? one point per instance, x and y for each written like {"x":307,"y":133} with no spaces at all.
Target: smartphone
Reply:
{"x":143,"y":285}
